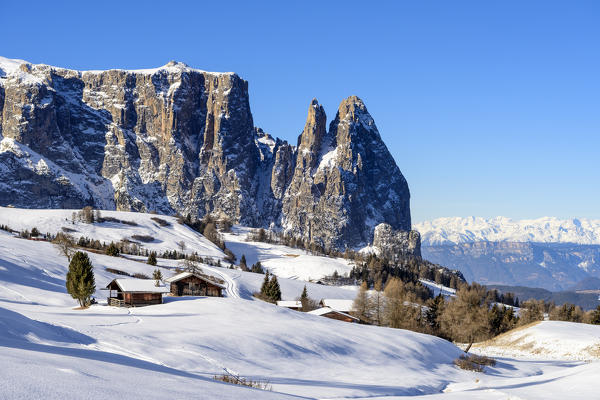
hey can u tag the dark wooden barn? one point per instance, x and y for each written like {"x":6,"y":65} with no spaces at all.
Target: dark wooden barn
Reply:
{"x":193,"y":284}
{"x":328,"y":312}
{"x":134,"y":292}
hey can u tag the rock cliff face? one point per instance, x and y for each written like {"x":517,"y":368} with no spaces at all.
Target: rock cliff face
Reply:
{"x":392,"y":243}
{"x":180,"y":140}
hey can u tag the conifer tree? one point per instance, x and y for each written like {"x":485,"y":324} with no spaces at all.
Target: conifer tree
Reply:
{"x":435,"y":310}
{"x":273,"y":290}
{"x":304,"y":294}
{"x":112,"y":250}
{"x":265,"y":285}
{"x":243,"y":265}
{"x":304,"y":299}
{"x":157,"y":276}
{"x":152,"y":258}
{"x":81,"y":283}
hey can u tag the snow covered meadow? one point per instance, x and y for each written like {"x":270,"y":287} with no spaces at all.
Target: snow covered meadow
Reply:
{"x":50,"y":349}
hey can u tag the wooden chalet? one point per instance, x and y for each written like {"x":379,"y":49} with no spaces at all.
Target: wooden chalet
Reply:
{"x":194,"y":284}
{"x":291,"y":304}
{"x":328,"y":312}
{"x":343,"y":305}
{"x":134,"y":292}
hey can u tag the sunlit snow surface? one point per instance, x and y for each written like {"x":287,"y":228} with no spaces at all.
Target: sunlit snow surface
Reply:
{"x":50,"y":350}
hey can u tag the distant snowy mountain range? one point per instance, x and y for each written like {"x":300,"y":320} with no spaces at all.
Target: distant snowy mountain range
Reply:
{"x":458,"y":230}
{"x":550,"y":253}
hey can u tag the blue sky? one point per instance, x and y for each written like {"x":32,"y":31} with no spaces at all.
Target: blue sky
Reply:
{"x":489,"y":108}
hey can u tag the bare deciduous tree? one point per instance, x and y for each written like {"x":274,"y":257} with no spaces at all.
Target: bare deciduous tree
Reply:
{"x":361,"y":308}
{"x":65,"y":244}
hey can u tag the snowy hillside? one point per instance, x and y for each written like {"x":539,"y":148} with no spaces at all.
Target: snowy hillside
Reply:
{"x":457,"y":230}
{"x":163,"y":232}
{"x":298,"y":353}
{"x":284,"y":261}
{"x":174,"y":349}
{"x":547,"y":340}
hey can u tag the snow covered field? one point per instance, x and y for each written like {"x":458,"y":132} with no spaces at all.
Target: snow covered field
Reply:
{"x":48,"y":349}
{"x":284,"y":261}
{"x":165,"y":237}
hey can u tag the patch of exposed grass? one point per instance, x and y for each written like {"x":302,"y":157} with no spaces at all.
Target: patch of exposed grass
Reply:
{"x":237,"y":380}
{"x":143,"y":238}
{"x":160,"y":221}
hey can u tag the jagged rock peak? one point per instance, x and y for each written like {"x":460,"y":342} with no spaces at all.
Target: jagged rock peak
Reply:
{"x":352,"y":111}
{"x":314,"y":130}
{"x":175,"y":139}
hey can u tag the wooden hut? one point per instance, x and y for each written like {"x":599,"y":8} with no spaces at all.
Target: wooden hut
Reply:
{"x":334,"y":314}
{"x":291,"y":304}
{"x":193,"y":284}
{"x":343,"y":305}
{"x":134,"y":292}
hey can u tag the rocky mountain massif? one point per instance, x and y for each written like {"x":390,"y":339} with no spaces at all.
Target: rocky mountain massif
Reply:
{"x":180,"y":140}
{"x":547,"y":252}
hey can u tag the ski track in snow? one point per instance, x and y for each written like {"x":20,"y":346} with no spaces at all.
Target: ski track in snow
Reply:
{"x":231,"y":287}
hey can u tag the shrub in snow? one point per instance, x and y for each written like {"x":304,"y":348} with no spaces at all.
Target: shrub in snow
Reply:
{"x":474,"y":362}
{"x":237,"y":380}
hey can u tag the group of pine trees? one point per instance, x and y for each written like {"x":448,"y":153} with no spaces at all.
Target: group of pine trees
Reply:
{"x":407,"y":268}
{"x":270,"y":290}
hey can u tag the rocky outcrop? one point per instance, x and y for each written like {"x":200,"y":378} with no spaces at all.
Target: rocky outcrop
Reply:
{"x":390,"y":243}
{"x":179,"y":140}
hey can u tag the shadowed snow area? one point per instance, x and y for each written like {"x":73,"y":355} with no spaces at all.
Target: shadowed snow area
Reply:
{"x":49,"y":349}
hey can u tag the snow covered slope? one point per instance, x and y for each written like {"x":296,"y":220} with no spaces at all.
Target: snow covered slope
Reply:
{"x":547,"y":340}
{"x":298,"y":353}
{"x":174,"y":349}
{"x":164,"y":237}
{"x":457,"y":230}
{"x":284,"y":261}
